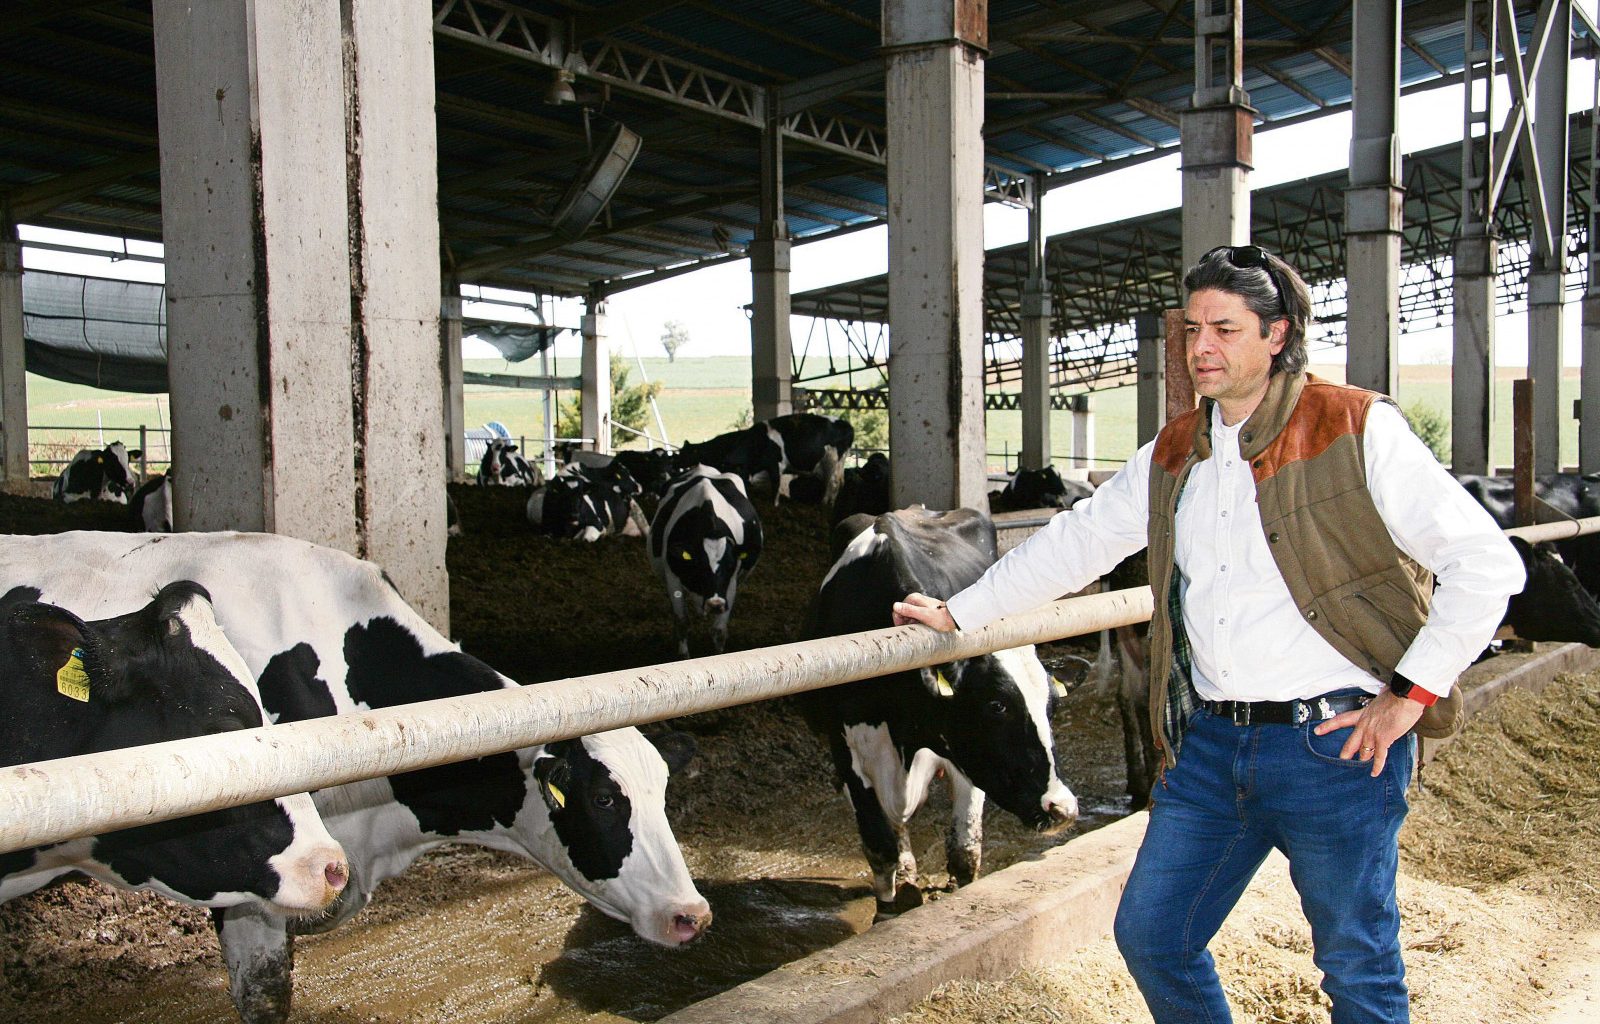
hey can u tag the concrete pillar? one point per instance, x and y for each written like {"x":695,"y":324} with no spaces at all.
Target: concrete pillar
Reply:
{"x":1589,"y":380}
{"x":934,"y":90}
{"x":455,"y":416}
{"x":254,"y":204}
{"x":596,"y":378}
{"x":299,"y":212}
{"x":400,"y":423}
{"x":771,"y":360}
{"x":1374,"y":202}
{"x":1218,"y":134}
{"x":1546,"y":271}
{"x":1472,"y":372}
{"x":14,"y":466}
{"x":1082,"y":433}
{"x":1151,"y":359}
{"x":1036,"y":311}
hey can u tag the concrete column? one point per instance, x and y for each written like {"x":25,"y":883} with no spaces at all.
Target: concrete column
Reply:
{"x":934,"y":89}
{"x":771,"y":360}
{"x":1546,"y":271}
{"x":1151,"y":359}
{"x":1082,"y":433}
{"x":298,"y":208}
{"x":1217,"y":135}
{"x":399,"y":387}
{"x":455,"y":417}
{"x":1036,"y":311}
{"x":14,"y":466}
{"x":1472,"y":372}
{"x":1589,"y":381}
{"x":1374,"y":202}
{"x":596,"y":378}
{"x":254,"y":200}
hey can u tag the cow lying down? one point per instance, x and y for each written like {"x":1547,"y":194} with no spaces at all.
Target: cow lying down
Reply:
{"x":985,"y":721}
{"x":161,"y":672}
{"x":324,"y":634}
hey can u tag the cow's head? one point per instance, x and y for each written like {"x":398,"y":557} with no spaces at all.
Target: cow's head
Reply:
{"x":1553,"y":604}
{"x":998,"y":710}
{"x":708,"y":549}
{"x":118,"y":469}
{"x":596,"y":816}
{"x":167,"y":672}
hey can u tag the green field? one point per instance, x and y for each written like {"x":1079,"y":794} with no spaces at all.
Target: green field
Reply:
{"x":701,"y":397}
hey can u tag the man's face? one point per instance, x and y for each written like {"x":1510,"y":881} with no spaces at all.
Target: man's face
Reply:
{"x":1229,"y":360}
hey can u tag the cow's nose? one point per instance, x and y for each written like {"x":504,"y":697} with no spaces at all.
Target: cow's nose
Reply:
{"x":337,"y":873}
{"x":689,"y":926}
{"x":716,"y":604}
{"x":1062,"y":812}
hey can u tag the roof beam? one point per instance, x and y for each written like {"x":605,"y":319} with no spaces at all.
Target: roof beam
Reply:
{"x":29,"y":201}
{"x":609,"y":19}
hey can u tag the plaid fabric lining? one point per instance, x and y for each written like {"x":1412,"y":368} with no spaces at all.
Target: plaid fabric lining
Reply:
{"x":1181,"y":696}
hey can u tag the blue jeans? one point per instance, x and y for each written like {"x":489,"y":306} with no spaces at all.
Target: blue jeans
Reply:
{"x":1236,"y":793}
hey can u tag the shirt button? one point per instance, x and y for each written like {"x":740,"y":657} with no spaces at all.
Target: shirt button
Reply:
{"x":1222,"y":622}
{"x":1224,"y":673}
{"x":1223,"y":569}
{"x":1224,"y":513}
{"x":1228,"y":463}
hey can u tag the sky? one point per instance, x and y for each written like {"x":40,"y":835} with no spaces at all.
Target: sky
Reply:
{"x":709,"y":302}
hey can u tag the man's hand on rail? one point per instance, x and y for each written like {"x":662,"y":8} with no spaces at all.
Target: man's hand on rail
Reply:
{"x":930,"y":611}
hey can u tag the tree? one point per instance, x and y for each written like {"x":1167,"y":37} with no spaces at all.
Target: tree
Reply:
{"x":871,"y":425}
{"x":630,"y":406}
{"x":674,"y":336}
{"x":1430,"y":425}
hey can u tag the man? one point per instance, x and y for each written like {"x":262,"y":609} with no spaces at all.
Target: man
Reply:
{"x":1292,"y":526}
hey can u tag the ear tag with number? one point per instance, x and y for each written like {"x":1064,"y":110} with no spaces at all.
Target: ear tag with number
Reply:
{"x":559,"y":797}
{"x":945,"y":689}
{"x":71,"y":679}
{"x":1060,"y":687}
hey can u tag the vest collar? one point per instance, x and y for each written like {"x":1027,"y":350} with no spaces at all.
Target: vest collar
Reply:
{"x":1263,"y":425}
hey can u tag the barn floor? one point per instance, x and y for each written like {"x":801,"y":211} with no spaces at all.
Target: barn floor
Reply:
{"x":469,"y":935}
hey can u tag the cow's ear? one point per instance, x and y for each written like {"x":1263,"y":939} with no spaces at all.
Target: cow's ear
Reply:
{"x":136,"y":453}
{"x":53,"y":644}
{"x":676,"y":748}
{"x":1524,"y":551}
{"x":554,"y":777}
{"x":942,"y":680}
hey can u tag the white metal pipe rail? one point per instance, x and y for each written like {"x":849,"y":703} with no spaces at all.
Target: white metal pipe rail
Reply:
{"x":51,"y":801}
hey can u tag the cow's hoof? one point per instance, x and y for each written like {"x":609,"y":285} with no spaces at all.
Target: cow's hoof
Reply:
{"x":906,"y":896}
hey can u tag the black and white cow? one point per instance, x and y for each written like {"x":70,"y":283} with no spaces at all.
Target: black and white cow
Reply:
{"x":1569,"y":494}
{"x":503,"y":464}
{"x":705,"y":538}
{"x":1553,"y":604}
{"x":325,"y":633}
{"x":864,"y":489}
{"x":778,"y":449}
{"x":151,"y":505}
{"x":587,"y":503}
{"x":162,"y":672}
{"x":105,"y":474}
{"x":1040,"y":488}
{"x":985,"y":721}
{"x":653,"y":469}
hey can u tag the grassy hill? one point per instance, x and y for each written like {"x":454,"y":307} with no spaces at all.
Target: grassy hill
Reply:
{"x":702,"y":397}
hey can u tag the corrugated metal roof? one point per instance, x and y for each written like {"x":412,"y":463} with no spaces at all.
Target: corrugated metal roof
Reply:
{"x":1070,"y":84}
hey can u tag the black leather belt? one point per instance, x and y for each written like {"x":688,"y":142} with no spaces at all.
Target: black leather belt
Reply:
{"x":1285,"y":712}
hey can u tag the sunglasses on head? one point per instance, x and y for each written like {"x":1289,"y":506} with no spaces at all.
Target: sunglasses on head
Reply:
{"x":1249,"y":257}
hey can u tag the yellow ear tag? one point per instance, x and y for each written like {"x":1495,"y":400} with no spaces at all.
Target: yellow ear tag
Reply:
{"x":945,"y":689}
{"x":686,"y":556}
{"x":555,"y":794}
{"x":71,"y":679}
{"x":1061,"y":688}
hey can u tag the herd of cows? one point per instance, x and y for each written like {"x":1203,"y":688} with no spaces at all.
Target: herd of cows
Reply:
{"x":248,"y":629}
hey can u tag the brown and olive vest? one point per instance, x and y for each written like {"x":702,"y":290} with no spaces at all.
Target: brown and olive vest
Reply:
{"x":1348,"y":579}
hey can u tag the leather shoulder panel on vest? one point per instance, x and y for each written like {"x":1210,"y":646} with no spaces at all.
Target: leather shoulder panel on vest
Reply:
{"x":1325,"y":413}
{"x":1175,"y":442}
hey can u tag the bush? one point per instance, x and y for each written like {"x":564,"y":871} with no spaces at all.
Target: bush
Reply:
{"x":1430,"y":425}
{"x":630,"y":406}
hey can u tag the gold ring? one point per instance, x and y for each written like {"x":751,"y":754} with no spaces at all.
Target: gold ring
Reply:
{"x":1368,"y":750}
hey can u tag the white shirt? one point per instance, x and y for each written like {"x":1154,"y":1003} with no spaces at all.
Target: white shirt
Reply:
{"x":1248,"y":639}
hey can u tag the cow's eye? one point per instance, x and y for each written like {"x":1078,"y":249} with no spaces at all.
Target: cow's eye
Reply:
{"x":604,"y":801}
{"x":997,"y":708}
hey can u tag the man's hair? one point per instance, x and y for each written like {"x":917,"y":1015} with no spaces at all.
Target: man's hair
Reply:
{"x":1280,"y":295}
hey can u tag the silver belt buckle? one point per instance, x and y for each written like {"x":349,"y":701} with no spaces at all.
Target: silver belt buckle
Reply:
{"x":1241,"y":713}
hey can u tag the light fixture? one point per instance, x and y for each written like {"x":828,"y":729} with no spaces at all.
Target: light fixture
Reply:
{"x":560,"y":88}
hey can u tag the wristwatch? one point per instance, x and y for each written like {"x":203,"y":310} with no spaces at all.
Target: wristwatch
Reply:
{"x":1400,"y":686}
